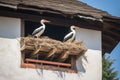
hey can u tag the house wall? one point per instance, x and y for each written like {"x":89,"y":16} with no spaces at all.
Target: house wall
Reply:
{"x":89,"y":66}
{"x":9,"y":27}
{"x":91,"y":38}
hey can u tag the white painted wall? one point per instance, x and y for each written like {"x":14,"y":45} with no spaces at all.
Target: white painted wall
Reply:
{"x":89,"y":66}
{"x":9,"y":27}
{"x":91,"y":38}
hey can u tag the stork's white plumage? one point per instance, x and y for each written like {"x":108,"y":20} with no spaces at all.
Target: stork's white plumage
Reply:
{"x":70,"y":36}
{"x":39,"y":31}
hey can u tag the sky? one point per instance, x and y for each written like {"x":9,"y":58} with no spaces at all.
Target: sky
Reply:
{"x":113,"y":8}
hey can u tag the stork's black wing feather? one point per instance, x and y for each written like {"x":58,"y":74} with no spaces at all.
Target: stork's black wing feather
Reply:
{"x":37,"y":30}
{"x":68,"y":36}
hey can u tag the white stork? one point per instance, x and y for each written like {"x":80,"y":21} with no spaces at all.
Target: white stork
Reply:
{"x":70,"y":36}
{"x":39,"y":31}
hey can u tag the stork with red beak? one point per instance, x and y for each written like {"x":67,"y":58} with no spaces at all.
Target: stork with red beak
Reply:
{"x":71,"y":36}
{"x":39,"y":31}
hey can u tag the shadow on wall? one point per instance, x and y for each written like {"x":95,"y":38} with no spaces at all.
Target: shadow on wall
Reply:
{"x":80,"y":64}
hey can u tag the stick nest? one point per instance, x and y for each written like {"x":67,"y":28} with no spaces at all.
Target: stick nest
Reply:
{"x":52,"y":48}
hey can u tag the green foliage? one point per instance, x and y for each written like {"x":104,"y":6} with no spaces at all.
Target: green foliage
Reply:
{"x":108,"y":73}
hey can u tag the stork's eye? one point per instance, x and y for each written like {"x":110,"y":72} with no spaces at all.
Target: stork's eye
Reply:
{"x":74,"y":28}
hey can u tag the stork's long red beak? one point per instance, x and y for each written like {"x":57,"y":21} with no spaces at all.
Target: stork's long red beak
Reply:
{"x":46,"y":21}
{"x":76,"y":27}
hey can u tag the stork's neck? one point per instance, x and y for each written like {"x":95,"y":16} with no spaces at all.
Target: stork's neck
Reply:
{"x":43,"y":24}
{"x":72,"y":29}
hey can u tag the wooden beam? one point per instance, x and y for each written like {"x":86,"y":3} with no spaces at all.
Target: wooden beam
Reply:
{"x":115,"y":30}
{"x":108,"y":39}
{"x":22,"y":28}
{"x":107,"y":45}
{"x":109,"y":20}
{"x":112,"y":25}
{"x":116,"y":36}
{"x":34,"y":66}
{"x":66,"y":22}
{"x":73,"y":62}
{"x":107,"y":26}
{"x":111,"y":33}
{"x":97,"y":24}
{"x":48,"y":62}
{"x":106,"y":48}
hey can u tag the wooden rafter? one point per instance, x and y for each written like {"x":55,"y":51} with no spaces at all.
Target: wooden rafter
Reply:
{"x":108,"y":39}
{"x":112,"y":34}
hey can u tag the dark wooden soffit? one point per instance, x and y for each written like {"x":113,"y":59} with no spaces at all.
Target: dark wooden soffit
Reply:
{"x":110,"y":33}
{"x":57,"y":20}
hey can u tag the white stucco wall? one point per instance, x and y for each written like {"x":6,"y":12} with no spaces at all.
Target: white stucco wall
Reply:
{"x":89,"y":66}
{"x":9,"y":27}
{"x":91,"y":38}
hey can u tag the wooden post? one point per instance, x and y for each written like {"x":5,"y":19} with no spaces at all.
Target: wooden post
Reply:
{"x":22,"y":57}
{"x":73,"y":63}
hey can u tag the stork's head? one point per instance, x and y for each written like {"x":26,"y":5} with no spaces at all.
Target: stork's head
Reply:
{"x":74,"y":27}
{"x":45,"y":21}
